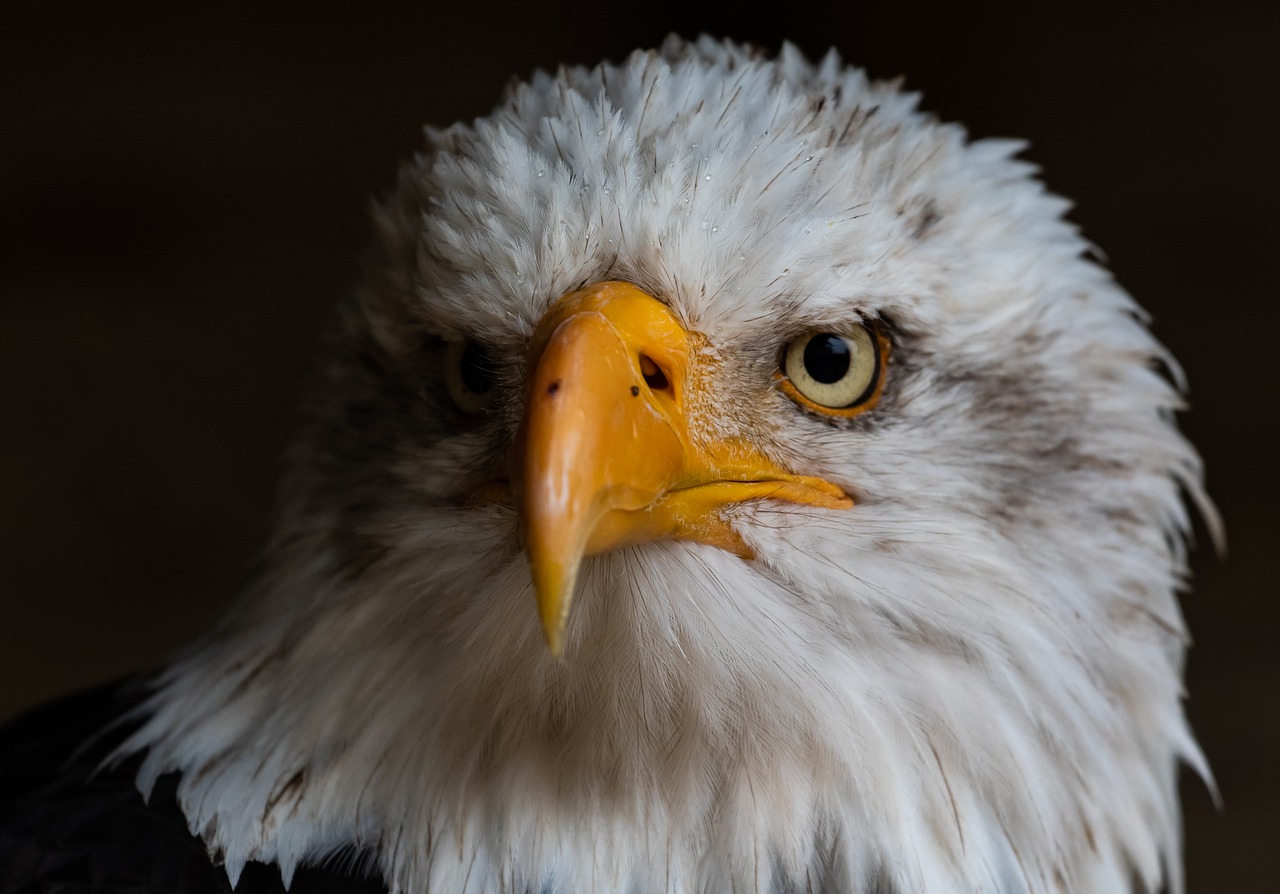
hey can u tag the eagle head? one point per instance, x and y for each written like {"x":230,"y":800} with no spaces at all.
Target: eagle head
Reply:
{"x":726,"y":477}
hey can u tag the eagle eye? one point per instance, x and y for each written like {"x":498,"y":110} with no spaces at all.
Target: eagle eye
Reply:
{"x":470,"y":375}
{"x":837,"y":373}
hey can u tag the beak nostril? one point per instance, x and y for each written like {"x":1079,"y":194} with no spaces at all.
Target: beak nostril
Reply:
{"x":653,"y":374}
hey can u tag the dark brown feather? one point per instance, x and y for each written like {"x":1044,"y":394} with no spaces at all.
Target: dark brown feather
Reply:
{"x":66,"y":829}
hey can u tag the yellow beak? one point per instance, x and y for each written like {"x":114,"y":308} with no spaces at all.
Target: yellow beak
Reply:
{"x":611,"y":452}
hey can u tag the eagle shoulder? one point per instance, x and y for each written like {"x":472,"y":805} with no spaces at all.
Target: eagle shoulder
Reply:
{"x":71,"y":823}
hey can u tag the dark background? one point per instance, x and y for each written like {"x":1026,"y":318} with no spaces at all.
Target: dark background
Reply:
{"x":183,"y":196}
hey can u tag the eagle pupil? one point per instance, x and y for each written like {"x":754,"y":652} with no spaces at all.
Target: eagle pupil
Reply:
{"x":477,"y":369}
{"x":826,"y":358}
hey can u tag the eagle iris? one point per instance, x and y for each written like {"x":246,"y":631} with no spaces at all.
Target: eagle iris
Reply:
{"x":833,"y":371}
{"x":469,"y":375}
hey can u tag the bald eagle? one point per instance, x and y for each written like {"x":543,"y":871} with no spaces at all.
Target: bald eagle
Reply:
{"x":726,"y":478}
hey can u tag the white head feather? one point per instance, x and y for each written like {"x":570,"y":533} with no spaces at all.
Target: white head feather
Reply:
{"x":969,"y":682}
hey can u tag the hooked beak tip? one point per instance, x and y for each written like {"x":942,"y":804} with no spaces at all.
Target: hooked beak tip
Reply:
{"x":554,"y":583}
